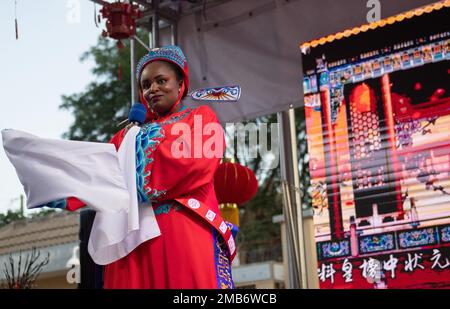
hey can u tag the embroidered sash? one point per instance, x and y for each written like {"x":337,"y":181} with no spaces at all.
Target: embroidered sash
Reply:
{"x":212,"y":218}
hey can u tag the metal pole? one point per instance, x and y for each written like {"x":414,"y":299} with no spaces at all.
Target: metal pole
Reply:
{"x":134,"y":89}
{"x":174,"y":32}
{"x":150,"y":35}
{"x":155,"y":30}
{"x":21,"y":205}
{"x":293,"y":209}
{"x":292,"y":257}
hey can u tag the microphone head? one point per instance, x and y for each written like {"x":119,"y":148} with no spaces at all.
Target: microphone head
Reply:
{"x":138,"y":112}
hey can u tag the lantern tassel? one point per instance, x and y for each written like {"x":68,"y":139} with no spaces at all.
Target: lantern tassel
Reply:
{"x":95,"y":15}
{"x":17,"y":30}
{"x":16,"y":24}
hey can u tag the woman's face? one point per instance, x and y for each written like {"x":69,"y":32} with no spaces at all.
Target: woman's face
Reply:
{"x":160,"y":86}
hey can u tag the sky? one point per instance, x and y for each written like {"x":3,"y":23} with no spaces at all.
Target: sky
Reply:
{"x":37,"y":69}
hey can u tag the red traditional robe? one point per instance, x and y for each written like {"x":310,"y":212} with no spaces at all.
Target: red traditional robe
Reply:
{"x":190,"y":253}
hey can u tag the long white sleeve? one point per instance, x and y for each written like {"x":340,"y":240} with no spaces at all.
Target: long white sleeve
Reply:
{"x":96,"y":174}
{"x":51,"y":169}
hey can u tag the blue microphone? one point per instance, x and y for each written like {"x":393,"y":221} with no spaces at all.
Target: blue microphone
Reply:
{"x":137,"y":114}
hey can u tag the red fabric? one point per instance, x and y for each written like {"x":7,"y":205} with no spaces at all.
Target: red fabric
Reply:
{"x":73,"y":204}
{"x":184,"y":175}
{"x":183,"y":256}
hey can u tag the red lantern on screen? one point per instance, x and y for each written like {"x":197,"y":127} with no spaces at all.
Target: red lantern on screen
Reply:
{"x":235,"y":185}
{"x":120,"y":20}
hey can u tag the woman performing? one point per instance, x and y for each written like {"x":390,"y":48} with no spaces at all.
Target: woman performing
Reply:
{"x":177,"y":155}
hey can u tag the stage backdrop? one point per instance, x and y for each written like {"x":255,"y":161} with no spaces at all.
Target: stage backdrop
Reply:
{"x":377,"y":107}
{"x":254,"y":43}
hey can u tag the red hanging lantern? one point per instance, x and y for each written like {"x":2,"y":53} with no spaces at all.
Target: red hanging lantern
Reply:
{"x":120,"y":20}
{"x":235,"y":185}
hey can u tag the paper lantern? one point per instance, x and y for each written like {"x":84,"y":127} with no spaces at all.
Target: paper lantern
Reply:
{"x":235,"y":185}
{"x":120,"y":20}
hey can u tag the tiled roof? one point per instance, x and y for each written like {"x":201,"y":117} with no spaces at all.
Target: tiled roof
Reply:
{"x":53,"y":229}
{"x":381,"y":23}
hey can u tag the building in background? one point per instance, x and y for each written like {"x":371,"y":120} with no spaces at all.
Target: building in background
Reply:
{"x":58,"y":235}
{"x":55,"y":234}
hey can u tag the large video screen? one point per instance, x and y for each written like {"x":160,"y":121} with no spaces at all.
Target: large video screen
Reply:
{"x":377,"y":109}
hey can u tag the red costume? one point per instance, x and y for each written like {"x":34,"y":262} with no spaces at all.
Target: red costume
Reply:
{"x":195,"y":249}
{"x":188,"y":253}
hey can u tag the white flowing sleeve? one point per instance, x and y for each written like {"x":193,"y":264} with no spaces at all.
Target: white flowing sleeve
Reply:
{"x":95,"y":173}
{"x":51,"y":170}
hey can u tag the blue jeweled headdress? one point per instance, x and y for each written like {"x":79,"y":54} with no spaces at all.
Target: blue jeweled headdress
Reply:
{"x":170,"y":53}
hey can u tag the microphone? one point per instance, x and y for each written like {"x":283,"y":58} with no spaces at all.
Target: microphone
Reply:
{"x":137,"y":115}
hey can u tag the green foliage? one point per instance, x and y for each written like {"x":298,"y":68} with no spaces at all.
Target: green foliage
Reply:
{"x":10,"y":216}
{"x":256,"y":220}
{"x":43,"y":212}
{"x":16,"y":215}
{"x":106,"y":101}
{"x":257,"y":231}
